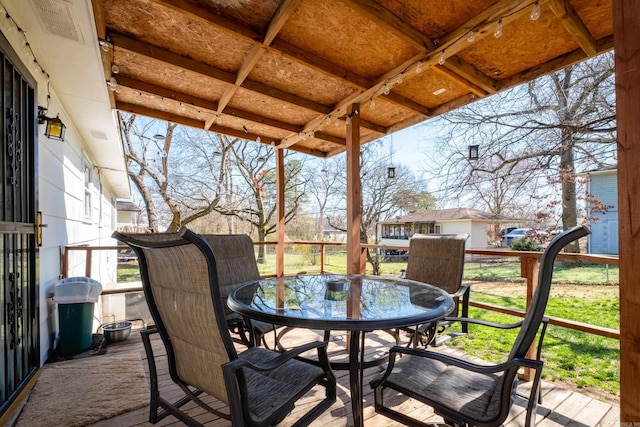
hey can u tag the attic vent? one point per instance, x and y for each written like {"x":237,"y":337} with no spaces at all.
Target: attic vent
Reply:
{"x":56,"y":18}
{"x":97,"y":134}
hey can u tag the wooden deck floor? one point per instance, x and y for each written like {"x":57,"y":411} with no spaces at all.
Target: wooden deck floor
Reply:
{"x":560,"y":407}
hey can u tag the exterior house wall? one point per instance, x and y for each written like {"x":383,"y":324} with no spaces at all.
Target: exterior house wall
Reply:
{"x":61,"y":199}
{"x":604,"y":232}
{"x":477,"y":233}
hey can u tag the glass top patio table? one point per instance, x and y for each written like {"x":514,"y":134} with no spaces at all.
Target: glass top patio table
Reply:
{"x":355,"y":303}
{"x":341,"y":302}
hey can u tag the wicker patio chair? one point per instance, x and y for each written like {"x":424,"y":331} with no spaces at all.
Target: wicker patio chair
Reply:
{"x":438,"y":259}
{"x":180,"y":280}
{"x":469,"y":394}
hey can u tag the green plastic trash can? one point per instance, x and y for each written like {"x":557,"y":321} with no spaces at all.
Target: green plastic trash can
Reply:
{"x":76,"y":298}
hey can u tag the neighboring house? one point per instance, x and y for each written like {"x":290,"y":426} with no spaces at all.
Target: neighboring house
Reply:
{"x":69,"y":185}
{"x":602,"y":185}
{"x":129,"y":217}
{"x":398,"y":231}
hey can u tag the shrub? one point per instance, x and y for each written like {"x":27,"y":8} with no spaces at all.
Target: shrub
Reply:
{"x":527,"y":244}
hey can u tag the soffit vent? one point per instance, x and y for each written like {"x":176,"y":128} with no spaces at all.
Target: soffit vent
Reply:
{"x":56,"y":18}
{"x":98,"y":134}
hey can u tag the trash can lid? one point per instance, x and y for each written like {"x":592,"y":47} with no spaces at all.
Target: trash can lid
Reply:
{"x":73,"y":290}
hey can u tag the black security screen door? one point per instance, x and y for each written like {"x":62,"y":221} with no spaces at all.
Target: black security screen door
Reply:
{"x":19,"y":331}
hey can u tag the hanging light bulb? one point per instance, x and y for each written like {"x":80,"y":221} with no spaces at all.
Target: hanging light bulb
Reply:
{"x":471,"y":36}
{"x":328,"y":120}
{"x":386,"y":89}
{"x":348,"y":120}
{"x":258,"y":140}
{"x":312,"y":134}
{"x":115,"y":69}
{"x":441,"y":59}
{"x":498,"y":32}
{"x":372,"y":104}
{"x":139,"y":98}
{"x":218,"y":118}
{"x":400,"y":78}
{"x":535,"y":12}
{"x":113,"y":84}
{"x":419,"y":67}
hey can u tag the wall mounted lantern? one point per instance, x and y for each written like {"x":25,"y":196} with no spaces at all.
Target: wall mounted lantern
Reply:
{"x":474,"y":152}
{"x":55,"y":128}
{"x":391,"y":172}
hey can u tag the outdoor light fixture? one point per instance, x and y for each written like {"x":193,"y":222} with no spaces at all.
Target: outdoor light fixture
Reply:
{"x":55,"y":128}
{"x":391,"y":172}
{"x":473,"y":152}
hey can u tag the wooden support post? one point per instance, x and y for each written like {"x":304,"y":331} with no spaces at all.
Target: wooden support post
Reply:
{"x":87,"y":268}
{"x":354,"y":191}
{"x":529,"y":266}
{"x":280,"y":213}
{"x":322,"y":250}
{"x":626,"y":21}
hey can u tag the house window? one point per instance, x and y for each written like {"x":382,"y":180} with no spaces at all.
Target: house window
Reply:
{"x":429,"y":228}
{"x":88,"y":181}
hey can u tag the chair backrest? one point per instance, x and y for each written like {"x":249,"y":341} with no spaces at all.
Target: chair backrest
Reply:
{"x":235,"y":260}
{"x":180,"y":282}
{"x":535,"y":311}
{"x":437,"y":259}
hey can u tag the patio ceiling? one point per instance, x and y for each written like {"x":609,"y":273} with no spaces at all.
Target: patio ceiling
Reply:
{"x":283,"y":72}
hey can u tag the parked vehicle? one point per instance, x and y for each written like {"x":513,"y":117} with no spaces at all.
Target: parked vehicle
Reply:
{"x":518,"y":234}
{"x":502,"y":234}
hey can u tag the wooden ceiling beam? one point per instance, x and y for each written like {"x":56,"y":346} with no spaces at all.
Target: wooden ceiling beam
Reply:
{"x":211,"y":107}
{"x":450,"y":45}
{"x":284,"y":11}
{"x":194,"y":123}
{"x":459,"y":71}
{"x":149,"y":51}
{"x":574,"y":25}
{"x":278,"y":46}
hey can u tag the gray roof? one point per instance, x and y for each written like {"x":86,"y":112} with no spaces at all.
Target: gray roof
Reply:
{"x":455,"y":214}
{"x":126,"y":206}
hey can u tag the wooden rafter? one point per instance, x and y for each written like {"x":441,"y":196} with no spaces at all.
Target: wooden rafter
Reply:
{"x":574,"y":25}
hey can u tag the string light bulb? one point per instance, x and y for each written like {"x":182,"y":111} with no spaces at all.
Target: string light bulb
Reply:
{"x":419,"y":67}
{"x":258,"y":140}
{"x":115,"y":69}
{"x":471,"y":36}
{"x":498,"y":32}
{"x":535,"y":12}
{"x":348,"y":120}
{"x":400,"y":78}
{"x":386,"y":89}
{"x":441,"y":59}
{"x":372,"y":104}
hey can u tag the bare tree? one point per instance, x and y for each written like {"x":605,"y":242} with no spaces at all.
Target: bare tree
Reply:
{"x":382,"y":197}
{"x":176,"y":173}
{"x":255,"y":188}
{"x":545,"y":129}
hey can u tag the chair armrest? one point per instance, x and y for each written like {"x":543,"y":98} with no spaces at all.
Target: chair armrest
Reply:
{"x":278,"y":361}
{"x":450,"y":360}
{"x":464,"y":288}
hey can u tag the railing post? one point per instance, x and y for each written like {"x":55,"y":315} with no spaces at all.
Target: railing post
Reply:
{"x":87,"y":268}
{"x":322,"y":257}
{"x":529,"y":265}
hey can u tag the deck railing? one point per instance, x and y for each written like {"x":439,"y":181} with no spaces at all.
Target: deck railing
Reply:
{"x":529,"y":262}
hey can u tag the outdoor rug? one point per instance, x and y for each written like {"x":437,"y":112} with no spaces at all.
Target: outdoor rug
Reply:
{"x":78,"y":392}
